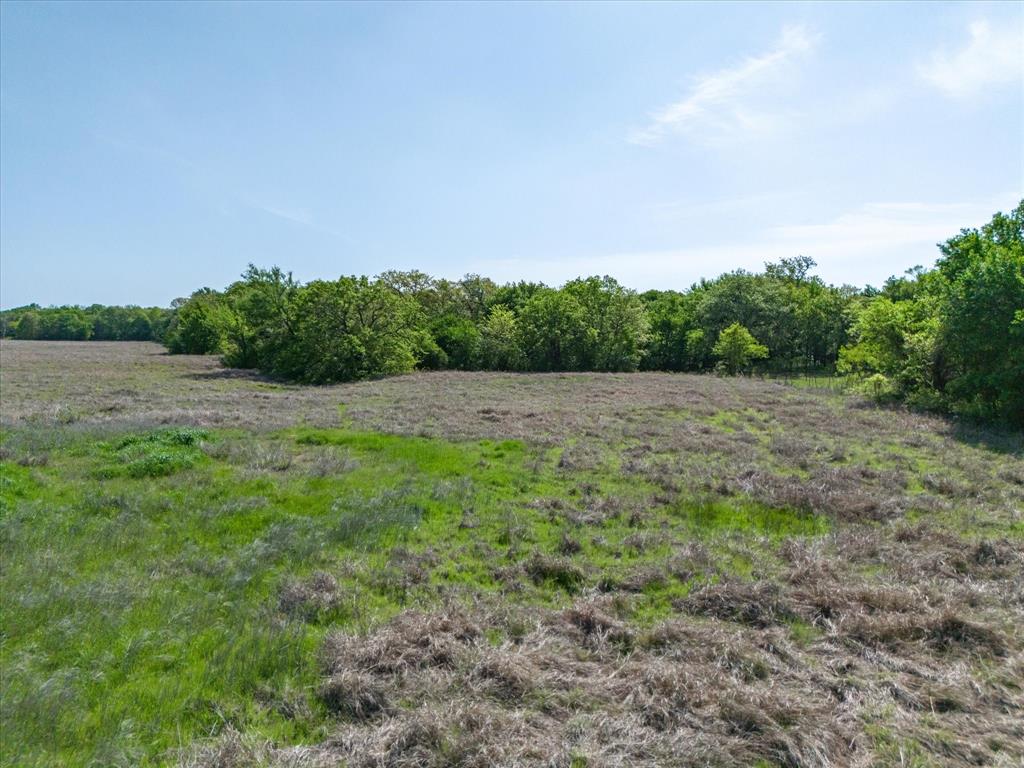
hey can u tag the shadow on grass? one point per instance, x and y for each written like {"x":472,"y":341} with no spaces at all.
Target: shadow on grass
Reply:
{"x":999,"y":439}
{"x":235,"y":374}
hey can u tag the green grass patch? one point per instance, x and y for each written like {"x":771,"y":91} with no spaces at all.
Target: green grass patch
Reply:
{"x":709,"y":517}
{"x":145,"y":574}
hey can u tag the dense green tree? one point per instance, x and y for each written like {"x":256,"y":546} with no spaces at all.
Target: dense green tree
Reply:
{"x":513,"y":296}
{"x":138,"y":326}
{"x":951,"y":337}
{"x":554,"y":332}
{"x":752,"y":301}
{"x":27,"y":326}
{"x":676,"y":343}
{"x":459,"y":339}
{"x":478,"y":294}
{"x":347,"y":329}
{"x":259,"y":317}
{"x":500,"y":346}
{"x":617,"y":326}
{"x":980,"y":332}
{"x":68,"y":323}
{"x":199,"y":326}
{"x":736,"y":348}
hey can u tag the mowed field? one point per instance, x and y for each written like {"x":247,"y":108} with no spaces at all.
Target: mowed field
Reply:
{"x":202,"y":567}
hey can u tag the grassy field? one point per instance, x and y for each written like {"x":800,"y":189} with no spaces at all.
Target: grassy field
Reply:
{"x":205,"y":568}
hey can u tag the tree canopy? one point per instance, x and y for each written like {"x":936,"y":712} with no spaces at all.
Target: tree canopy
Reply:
{"x":736,"y":349}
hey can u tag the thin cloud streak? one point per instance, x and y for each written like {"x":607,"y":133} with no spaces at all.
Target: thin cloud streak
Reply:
{"x":722,"y":104}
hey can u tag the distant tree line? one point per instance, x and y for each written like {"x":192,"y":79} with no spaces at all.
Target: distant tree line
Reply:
{"x":949,"y":338}
{"x":96,"y":322}
{"x":357,"y":327}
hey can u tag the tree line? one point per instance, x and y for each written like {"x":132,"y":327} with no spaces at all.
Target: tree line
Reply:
{"x":948,"y":338}
{"x":96,"y":322}
{"x":357,"y":327}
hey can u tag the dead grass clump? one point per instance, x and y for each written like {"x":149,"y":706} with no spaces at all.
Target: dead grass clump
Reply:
{"x":326,"y":461}
{"x":569,"y":545}
{"x":663,"y":693}
{"x":1012,"y":474}
{"x":412,"y":640}
{"x":34,"y":460}
{"x":642,"y":541}
{"x":232,"y":749}
{"x":477,"y":735}
{"x":753,"y":604}
{"x":259,"y":458}
{"x":832,"y":492}
{"x":510,"y":577}
{"x":690,"y":560}
{"x":808,"y":563}
{"x":944,"y":632}
{"x":946,"y":486}
{"x":582,"y":456}
{"x":354,"y":695}
{"x":405,"y":571}
{"x":780,"y":730}
{"x":429,"y":690}
{"x":555,"y":570}
{"x":596,"y":625}
{"x":949,"y":632}
{"x":797,"y":451}
{"x":926,"y":550}
{"x":644,"y":577}
{"x":995,"y":553}
{"x":309,"y":598}
{"x":1001,"y":561}
{"x":826,"y":603}
{"x":508,"y":676}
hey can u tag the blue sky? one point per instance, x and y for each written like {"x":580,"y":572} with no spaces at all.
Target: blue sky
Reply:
{"x":150,"y":149}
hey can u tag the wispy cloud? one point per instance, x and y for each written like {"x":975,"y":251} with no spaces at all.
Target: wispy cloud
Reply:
{"x":992,"y":56}
{"x":728,"y":104}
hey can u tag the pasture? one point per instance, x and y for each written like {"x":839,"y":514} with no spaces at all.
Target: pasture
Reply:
{"x":206,"y":567}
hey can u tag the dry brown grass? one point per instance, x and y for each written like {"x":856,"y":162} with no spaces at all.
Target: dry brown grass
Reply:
{"x":797,"y":448}
{"x":895,"y":638}
{"x":490,"y":686}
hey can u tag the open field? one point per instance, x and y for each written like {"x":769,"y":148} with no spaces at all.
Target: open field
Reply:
{"x":206,"y":568}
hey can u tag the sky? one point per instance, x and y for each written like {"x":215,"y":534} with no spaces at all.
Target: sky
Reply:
{"x":150,"y":149}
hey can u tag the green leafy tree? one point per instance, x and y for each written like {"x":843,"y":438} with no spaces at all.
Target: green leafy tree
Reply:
{"x":980,"y":330}
{"x":897,"y":339}
{"x":199,"y":326}
{"x":514,"y":296}
{"x":478,"y":293}
{"x":459,"y":339}
{"x":554,"y":332}
{"x":736,"y":348}
{"x":28,"y":326}
{"x":260,"y":318}
{"x":348,"y":329}
{"x":618,"y":328}
{"x":500,"y":347}
{"x":675,"y":343}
